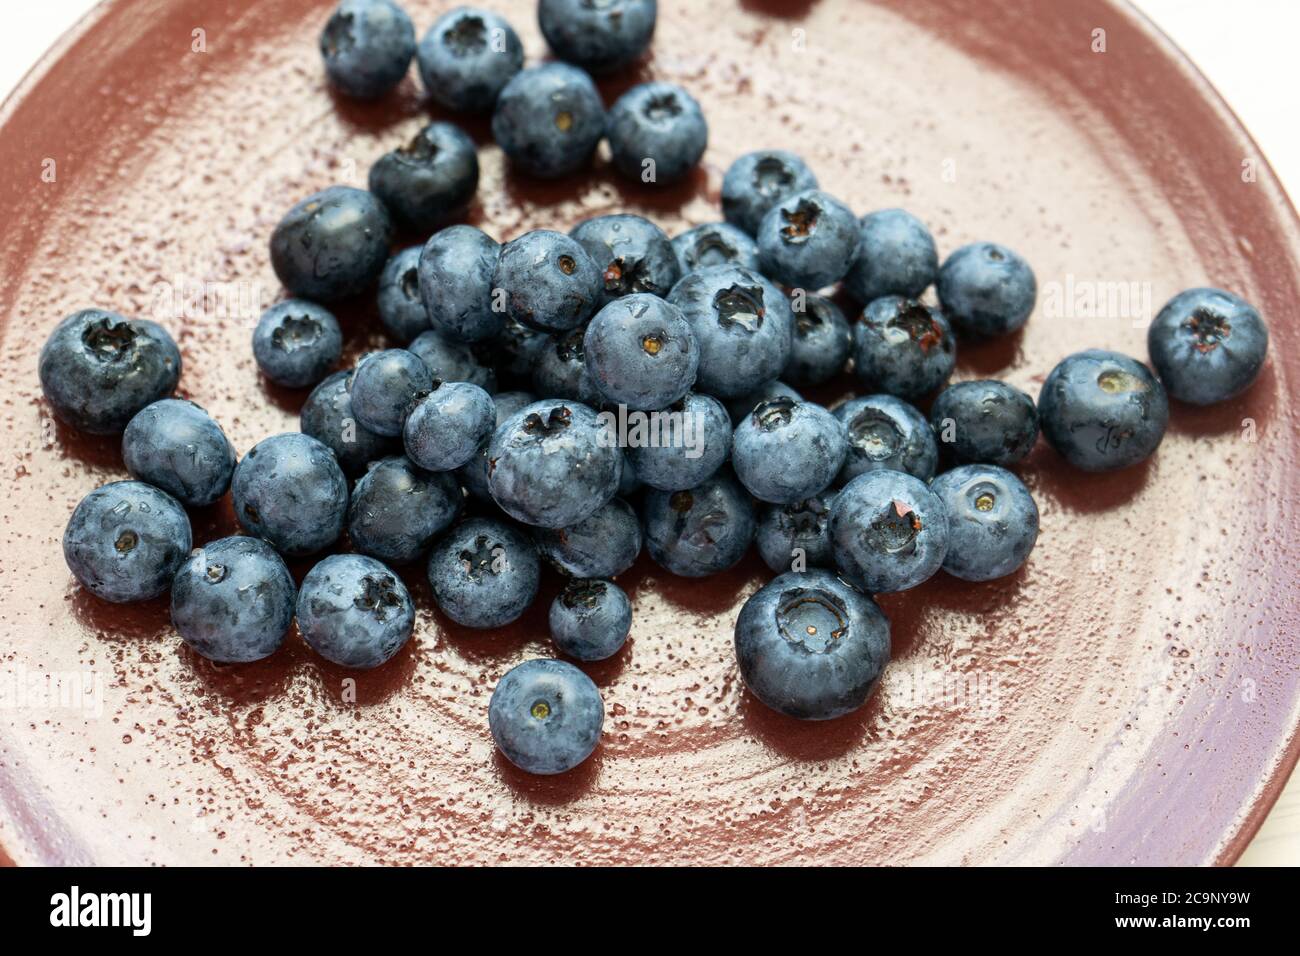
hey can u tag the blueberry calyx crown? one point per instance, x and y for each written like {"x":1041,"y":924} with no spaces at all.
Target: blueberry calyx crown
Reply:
{"x":774,"y":413}
{"x":919,"y":324}
{"x":800,"y":222}
{"x":740,"y":307}
{"x":378,"y":595}
{"x":812,"y":618}
{"x":772,"y":176}
{"x":1209,"y":329}
{"x":895,"y":529}
{"x":295,"y":332}
{"x":467,"y":36}
{"x":583,"y":593}
{"x":108,"y":338}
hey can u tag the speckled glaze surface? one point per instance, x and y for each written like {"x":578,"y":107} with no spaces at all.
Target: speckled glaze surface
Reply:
{"x":1131,"y":696}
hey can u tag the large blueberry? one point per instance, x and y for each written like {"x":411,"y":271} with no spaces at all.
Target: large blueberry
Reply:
{"x":296,"y":343}
{"x":715,"y":244}
{"x":98,"y":369}
{"x":602,"y":545}
{"x":992,"y":521}
{"x":429,"y":181}
{"x":327,"y":417}
{"x":597,"y":35}
{"x":397,"y":510}
{"x":125,"y":540}
{"x":367,"y":46}
{"x":560,"y":369}
{"x":447,"y":427}
{"x":456,"y":267}
{"x":385,"y":388}
{"x":657,"y":133}
{"x":743,"y":325}
{"x":811,"y":646}
{"x":885,"y":432}
{"x":233,"y":600}
{"x":896,"y":256}
{"x":641,"y":353}
{"x":821,"y":344}
{"x":757,"y":181}
{"x":1207,"y":345}
{"x":178,"y":447}
{"x":451,"y":361}
{"x":785,"y":451}
{"x":590,"y":620}
{"x":484,"y":573}
{"x":289,"y":491}
{"x":987,"y":289}
{"x":547,"y":281}
{"x":354,"y":611}
{"x":903,"y":347}
{"x":797,"y":536}
{"x":692,"y":442}
{"x":467,"y":57}
{"x":546,"y":716}
{"x":701,"y":531}
{"x":1102,"y":410}
{"x":808,"y":240}
{"x":631,"y":252}
{"x":889,"y":531}
{"x":985,"y":421}
{"x":401,"y":307}
{"x":553,"y":464}
{"x":332,"y":245}
{"x":548,"y":120}
{"x":474,"y":473}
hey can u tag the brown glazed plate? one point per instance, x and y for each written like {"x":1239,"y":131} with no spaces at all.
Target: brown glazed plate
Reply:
{"x":1131,"y":696}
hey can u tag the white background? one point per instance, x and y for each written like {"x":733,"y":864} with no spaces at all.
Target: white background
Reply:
{"x":1245,"y":47}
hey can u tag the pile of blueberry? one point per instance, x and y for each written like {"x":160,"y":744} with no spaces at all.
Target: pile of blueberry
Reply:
{"x":420,"y":454}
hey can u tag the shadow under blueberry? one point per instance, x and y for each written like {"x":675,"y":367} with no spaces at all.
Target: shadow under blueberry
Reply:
{"x":137,"y":621}
{"x":404,"y":102}
{"x":1081,"y":492}
{"x":716,"y":593}
{"x":94,"y":451}
{"x":988,"y":357}
{"x":1257,"y":404}
{"x":550,"y":790}
{"x":806,"y":739}
{"x":783,"y":9}
{"x":255,"y":682}
{"x":627,"y":196}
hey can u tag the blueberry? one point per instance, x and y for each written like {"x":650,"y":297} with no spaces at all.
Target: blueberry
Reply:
{"x":467,"y":57}
{"x":656,"y":132}
{"x":987,"y":289}
{"x":367,"y":46}
{"x":702,"y":531}
{"x":739,"y":408}
{"x":715,"y":244}
{"x":886,"y":433}
{"x":985,"y":421}
{"x":785,"y":451}
{"x":700,"y":445}
{"x":450,"y":361}
{"x":332,"y":245}
{"x":518,"y":350}
{"x":1207,"y":345}
{"x":327,"y":417}
{"x":447,"y":427}
{"x":289,"y":491}
{"x":429,"y":181}
{"x":474,"y":473}
{"x":549,"y":119}
{"x":743,"y":325}
{"x":560,"y":369}
{"x":553,"y":464}
{"x":889,"y":532}
{"x":641,"y":353}
{"x":385,"y":388}
{"x":484,"y":573}
{"x":176,"y":446}
{"x":233,"y":600}
{"x":628,"y":481}
{"x":296,"y":343}
{"x":808,"y":240}
{"x":811,"y":646}
{"x":597,"y":35}
{"x":631,"y":252}
{"x":98,"y":369}
{"x":125,"y":540}
{"x":455,"y":272}
{"x":602,"y":545}
{"x":547,"y":281}
{"x":896,"y":256}
{"x":903,"y":347}
{"x":992,"y":521}
{"x":546,"y":716}
{"x":590,"y":620}
{"x":797,"y":536}
{"x":758,"y":181}
{"x":401,"y":308}
{"x":1102,"y":410}
{"x":397,"y":510}
{"x":822,"y":342}
{"x":354,"y":611}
